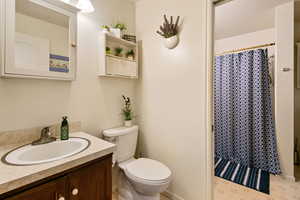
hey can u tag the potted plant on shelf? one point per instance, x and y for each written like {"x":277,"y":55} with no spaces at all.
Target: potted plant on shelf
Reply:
{"x":130,"y":54}
{"x":118,"y":30}
{"x":107,"y":50}
{"x":169,"y":30}
{"x":127,"y":111}
{"x":118,"y":51}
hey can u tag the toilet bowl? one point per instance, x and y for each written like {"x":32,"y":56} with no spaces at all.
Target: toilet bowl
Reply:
{"x":140,"y":179}
{"x":147,"y":177}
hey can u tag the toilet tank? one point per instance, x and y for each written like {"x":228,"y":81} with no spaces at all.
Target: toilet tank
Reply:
{"x":125,"y":139}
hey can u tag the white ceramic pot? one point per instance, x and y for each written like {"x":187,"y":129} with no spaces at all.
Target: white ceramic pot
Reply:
{"x":128,"y":123}
{"x":116,"y":32}
{"x":106,"y":31}
{"x":171,"y":42}
{"x":130,"y":57}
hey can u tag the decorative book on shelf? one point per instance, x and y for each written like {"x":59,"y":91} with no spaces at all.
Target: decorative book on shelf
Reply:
{"x":131,"y":38}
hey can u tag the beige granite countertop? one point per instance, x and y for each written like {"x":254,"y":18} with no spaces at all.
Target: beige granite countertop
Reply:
{"x":13,"y":177}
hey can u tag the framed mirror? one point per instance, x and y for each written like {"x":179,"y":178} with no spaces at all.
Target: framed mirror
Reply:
{"x":40,"y":39}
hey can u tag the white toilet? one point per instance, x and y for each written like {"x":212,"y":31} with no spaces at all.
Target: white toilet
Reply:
{"x":141,"y":179}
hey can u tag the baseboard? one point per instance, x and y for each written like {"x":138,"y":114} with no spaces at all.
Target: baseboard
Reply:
{"x":289,"y":178}
{"x":171,"y":195}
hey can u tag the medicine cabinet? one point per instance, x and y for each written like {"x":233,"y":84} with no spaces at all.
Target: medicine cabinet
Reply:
{"x":38,"y":39}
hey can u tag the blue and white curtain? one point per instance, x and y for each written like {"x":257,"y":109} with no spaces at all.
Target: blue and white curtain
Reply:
{"x":244,"y":124}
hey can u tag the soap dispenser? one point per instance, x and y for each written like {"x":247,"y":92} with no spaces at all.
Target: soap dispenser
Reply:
{"x":64,"y":129}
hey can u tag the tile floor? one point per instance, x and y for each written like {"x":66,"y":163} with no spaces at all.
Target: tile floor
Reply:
{"x":280,"y":188}
{"x":115,"y":197}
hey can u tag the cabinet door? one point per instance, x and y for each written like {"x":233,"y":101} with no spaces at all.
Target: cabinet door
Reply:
{"x":38,"y":39}
{"x":54,"y":190}
{"x":92,"y":182}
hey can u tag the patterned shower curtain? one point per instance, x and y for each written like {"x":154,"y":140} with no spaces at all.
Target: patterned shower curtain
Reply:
{"x":244,"y":124}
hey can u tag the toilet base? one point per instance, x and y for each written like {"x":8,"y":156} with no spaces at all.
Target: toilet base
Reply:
{"x":156,"y":197}
{"x":127,"y":192}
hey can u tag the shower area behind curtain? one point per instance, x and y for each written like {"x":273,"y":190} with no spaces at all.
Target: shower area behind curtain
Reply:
{"x":243,"y":115}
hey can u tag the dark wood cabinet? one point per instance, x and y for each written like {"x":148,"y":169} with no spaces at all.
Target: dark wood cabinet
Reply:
{"x":54,"y":190}
{"x":91,"y":181}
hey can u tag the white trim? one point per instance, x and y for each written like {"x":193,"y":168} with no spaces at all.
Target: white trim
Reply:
{"x":171,"y":195}
{"x":209,"y":27}
{"x":289,"y":178}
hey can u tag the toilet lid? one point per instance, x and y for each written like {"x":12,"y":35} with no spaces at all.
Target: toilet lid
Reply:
{"x":148,"y":169}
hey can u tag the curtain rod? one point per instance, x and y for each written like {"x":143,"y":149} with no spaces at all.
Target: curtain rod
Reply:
{"x":245,"y":49}
{"x":219,"y":2}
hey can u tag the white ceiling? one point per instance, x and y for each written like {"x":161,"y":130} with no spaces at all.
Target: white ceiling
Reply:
{"x":243,"y":16}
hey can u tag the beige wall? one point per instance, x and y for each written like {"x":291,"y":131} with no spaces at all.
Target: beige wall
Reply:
{"x":246,"y":40}
{"x":284,"y":86}
{"x":171,"y":94}
{"x":94,"y":101}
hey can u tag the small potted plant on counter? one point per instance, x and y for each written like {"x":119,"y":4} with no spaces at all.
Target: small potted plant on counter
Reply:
{"x":127,"y":111}
{"x":118,"y":51}
{"x":130,"y":54}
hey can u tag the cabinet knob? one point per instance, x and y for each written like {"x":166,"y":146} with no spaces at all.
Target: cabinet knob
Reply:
{"x":74,"y":192}
{"x":61,"y":198}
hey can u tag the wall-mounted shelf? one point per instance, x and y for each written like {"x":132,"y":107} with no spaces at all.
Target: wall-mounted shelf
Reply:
{"x":118,"y":76}
{"x":120,"y":58}
{"x":117,"y":66}
{"x":120,"y":41}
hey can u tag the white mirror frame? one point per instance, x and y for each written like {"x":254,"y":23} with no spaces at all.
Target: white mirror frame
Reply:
{"x":7,"y":39}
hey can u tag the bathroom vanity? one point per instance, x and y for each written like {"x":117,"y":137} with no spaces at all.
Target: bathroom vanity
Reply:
{"x":89,"y":181}
{"x":84,"y":176}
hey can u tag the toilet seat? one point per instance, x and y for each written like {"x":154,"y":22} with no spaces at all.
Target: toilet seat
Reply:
{"x":147,"y":171}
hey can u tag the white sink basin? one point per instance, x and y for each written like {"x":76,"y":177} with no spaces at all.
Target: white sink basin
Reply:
{"x":38,"y":154}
